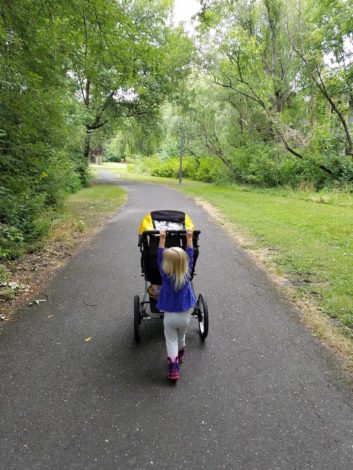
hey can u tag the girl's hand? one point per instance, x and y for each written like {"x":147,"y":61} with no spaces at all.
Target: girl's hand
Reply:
{"x":162,"y":237}
{"x":189,"y":234}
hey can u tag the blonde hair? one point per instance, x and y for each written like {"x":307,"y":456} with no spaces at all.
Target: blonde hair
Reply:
{"x":176,"y":264}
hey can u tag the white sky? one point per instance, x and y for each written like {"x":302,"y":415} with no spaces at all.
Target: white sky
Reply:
{"x":184,"y":10}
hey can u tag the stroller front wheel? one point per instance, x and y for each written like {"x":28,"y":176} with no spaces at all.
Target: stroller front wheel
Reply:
{"x":202,"y":316}
{"x":137,"y":318}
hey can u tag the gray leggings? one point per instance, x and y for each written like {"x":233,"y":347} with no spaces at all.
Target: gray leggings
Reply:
{"x":175,"y":325}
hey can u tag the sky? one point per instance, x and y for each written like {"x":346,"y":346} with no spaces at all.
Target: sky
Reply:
{"x":184,"y":10}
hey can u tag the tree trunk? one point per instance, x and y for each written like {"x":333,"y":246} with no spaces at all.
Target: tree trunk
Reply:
{"x":87,"y":144}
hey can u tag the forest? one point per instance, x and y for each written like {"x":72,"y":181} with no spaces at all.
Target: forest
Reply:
{"x":261,"y":94}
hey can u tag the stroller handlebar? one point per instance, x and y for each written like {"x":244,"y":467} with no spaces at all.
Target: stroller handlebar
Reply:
{"x":146,"y":233}
{"x":169,"y":232}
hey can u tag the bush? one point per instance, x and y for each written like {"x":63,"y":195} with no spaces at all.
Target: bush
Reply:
{"x":11,"y":242}
{"x":259,"y":164}
{"x":169,"y":168}
{"x":23,"y":212}
{"x":205,"y":169}
{"x":81,"y":169}
{"x":271,"y":166}
{"x":211,"y":170}
{"x":26,"y":199}
{"x":111,"y":157}
{"x":343,"y":170}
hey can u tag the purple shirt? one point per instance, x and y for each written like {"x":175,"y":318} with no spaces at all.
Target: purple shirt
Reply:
{"x":171,"y":300}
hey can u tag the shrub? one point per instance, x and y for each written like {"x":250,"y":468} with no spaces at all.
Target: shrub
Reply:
{"x":11,"y":241}
{"x":211,"y":170}
{"x":81,"y":168}
{"x":26,"y":199}
{"x":270,"y":166}
{"x":259,"y":164}
{"x":169,"y":168}
{"x":111,"y":157}
{"x":146,"y":165}
{"x":343,"y":169}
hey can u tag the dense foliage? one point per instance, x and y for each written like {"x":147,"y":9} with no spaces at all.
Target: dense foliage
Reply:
{"x":269,"y":100}
{"x":271,"y":97}
{"x":71,"y":73}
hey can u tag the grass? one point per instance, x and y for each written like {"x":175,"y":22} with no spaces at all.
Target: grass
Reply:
{"x":126,"y":171}
{"x":306,"y":235}
{"x":309,"y":242}
{"x":86,"y":210}
{"x":82,"y":215}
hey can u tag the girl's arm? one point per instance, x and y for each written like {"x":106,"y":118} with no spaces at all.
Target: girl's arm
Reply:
{"x":189,"y":243}
{"x":190,"y":248}
{"x":162,"y":237}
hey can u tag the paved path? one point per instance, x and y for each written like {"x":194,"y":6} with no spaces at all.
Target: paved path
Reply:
{"x":261,"y":393}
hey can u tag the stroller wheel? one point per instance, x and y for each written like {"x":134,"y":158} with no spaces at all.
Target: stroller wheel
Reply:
{"x":137,"y":318}
{"x":202,"y":316}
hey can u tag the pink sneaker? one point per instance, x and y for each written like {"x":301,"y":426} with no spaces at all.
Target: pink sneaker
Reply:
{"x":181,"y":355}
{"x":173,"y":369}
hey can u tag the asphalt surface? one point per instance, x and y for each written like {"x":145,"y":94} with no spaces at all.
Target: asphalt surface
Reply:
{"x":260,"y":393}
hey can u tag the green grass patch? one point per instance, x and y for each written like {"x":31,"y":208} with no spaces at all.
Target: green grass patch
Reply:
{"x":96,"y":198}
{"x":84,"y":209}
{"x":310,"y":238}
{"x":308,"y":234}
{"x":126,"y":171}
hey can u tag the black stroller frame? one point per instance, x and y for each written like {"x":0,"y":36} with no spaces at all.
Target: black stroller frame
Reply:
{"x":148,"y":243}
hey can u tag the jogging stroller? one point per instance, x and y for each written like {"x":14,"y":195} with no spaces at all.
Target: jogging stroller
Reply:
{"x":175,"y":223}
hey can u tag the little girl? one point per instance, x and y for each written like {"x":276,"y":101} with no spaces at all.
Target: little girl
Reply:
{"x":176,"y":298}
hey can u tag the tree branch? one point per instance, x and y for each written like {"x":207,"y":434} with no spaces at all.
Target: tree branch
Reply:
{"x":322,"y":87}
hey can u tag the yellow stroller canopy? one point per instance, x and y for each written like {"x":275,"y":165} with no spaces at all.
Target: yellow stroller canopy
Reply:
{"x":166,"y":220}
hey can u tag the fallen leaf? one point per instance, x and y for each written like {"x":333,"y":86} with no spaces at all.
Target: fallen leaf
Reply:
{"x":36,"y":302}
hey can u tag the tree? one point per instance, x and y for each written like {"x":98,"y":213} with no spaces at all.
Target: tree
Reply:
{"x":35,"y":104}
{"x":69,"y":70}
{"x":324,"y":44}
{"x":127,"y":60}
{"x":255,"y":59}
